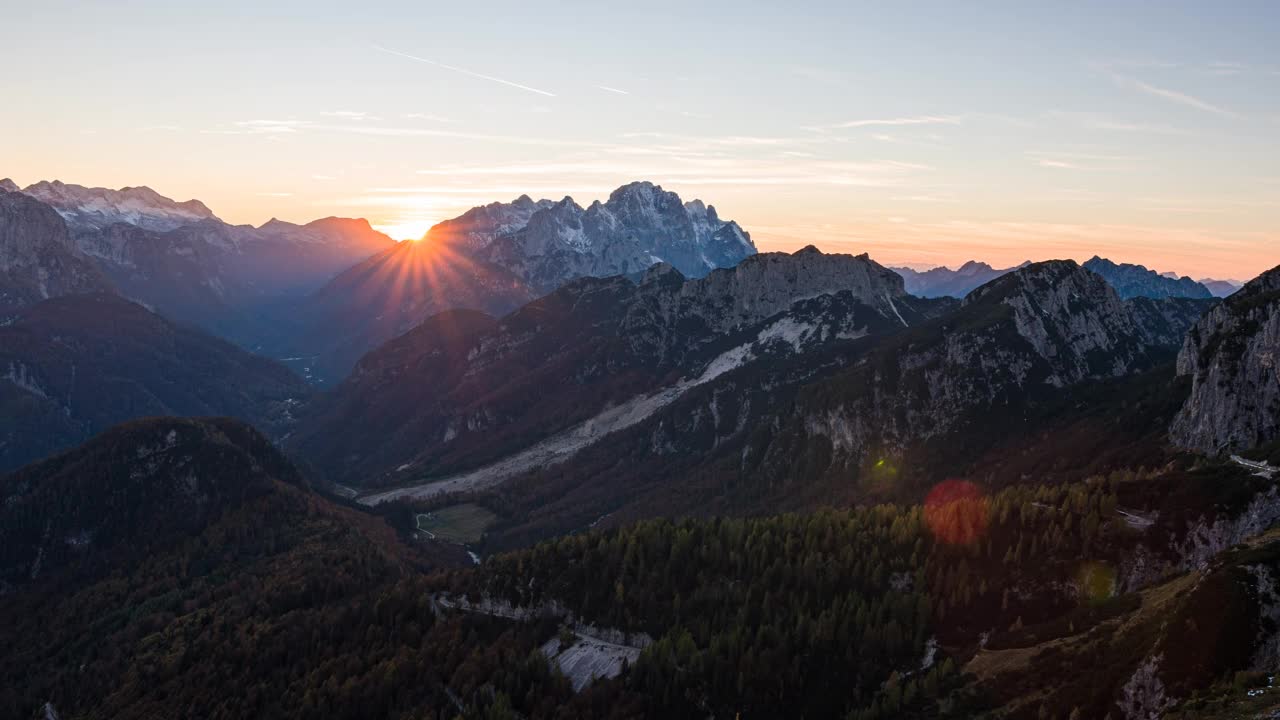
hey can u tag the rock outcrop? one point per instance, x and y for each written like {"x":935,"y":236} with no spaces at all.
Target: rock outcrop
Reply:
{"x":37,"y":257}
{"x":1025,"y":335}
{"x":1232,"y":357}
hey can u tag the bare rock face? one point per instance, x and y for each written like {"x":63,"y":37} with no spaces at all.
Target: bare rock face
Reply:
{"x":475,"y":229}
{"x":1233,"y":359}
{"x":1073,"y":320}
{"x":37,"y":257}
{"x":1046,"y":326}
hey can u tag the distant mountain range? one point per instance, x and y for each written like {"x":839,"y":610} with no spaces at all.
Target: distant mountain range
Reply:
{"x":97,"y":208}
{"x":654,"y":310}
{"x":944,"y":282}
{"x":1137,"y":281}
{"x":708,"y":481}
{"x":320,"y":295}
{"x":1221,"y":288}
{"x":496,"y":257}
{"x":825,"y":349}
{"x":1129,"y":280}
{"x":179,"y":259}
{"x":464,"y":388}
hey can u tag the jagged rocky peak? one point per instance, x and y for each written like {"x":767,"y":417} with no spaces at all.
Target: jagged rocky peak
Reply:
{"x":638,"y":225}
{"x":1138,"y":281}
{"x":478,"y":227}
{"x":94,"y":208}
{"x":643,"y":203}
{"x":1233,"y":359}
{"x":1071,"y":317}
{"x":8,"y":185}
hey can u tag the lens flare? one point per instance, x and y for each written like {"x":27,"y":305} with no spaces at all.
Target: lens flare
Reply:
{"x":957,"y":512}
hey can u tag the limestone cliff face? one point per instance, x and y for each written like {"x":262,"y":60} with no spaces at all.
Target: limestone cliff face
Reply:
{"x":1233,"y":359}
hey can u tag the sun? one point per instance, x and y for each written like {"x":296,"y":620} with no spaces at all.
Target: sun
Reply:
{"x":406,"y":228}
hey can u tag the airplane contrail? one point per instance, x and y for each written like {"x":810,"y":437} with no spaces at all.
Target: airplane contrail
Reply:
{"x":463,"y":71}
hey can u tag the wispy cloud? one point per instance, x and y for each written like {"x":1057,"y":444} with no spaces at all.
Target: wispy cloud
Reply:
{"x":426,"y":116}
{"x":896,"y":140}
{"x":889,"y":122}
{"x":275,"y":194}
{"x":606,"y":88}
{"x":323,"y":177}
{"x":1225,"y":68}
{"x":393,"y":131}
{"x":725,"y":171}
{"x":463,"y":71}
{"x":1071,"y":160}
{"x":160,"y":128}
{"x":350,"y":115}
{"x":925,"y":198}
{"x":1172,"y":95}
{"x":1100,"y":121}
{"x":261,"y":127}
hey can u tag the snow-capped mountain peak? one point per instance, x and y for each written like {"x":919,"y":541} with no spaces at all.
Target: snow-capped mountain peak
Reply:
{"x":546,"y":243}
{"x":95,"y":208}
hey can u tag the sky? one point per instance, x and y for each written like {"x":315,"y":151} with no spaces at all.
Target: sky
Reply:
{"x":919,"y":132}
